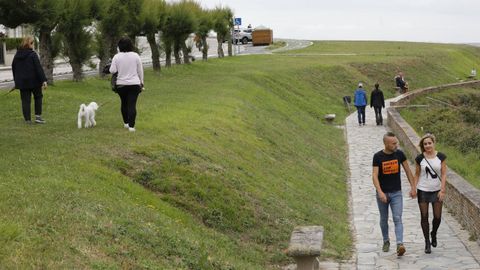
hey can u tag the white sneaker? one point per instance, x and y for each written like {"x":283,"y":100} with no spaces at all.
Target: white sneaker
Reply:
{"x":125,"y":126}
{"x":131,"y":129}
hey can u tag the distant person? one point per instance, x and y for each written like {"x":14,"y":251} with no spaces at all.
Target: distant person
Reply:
{"x":29,"y":77}
{"x":377,"y":101}
{"x":360,"y":102}
{"x":387,"y":182}
{"x":430,"y":180}
{"x":401,"y":83}
{"x":129,"y":81}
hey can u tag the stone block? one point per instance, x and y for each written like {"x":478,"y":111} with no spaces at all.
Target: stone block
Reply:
{"x":305,"y":246}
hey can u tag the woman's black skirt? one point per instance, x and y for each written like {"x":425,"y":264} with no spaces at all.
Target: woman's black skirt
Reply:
{"x":427,"y":196}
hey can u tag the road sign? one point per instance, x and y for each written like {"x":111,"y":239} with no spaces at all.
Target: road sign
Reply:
{"x":238,"y":21}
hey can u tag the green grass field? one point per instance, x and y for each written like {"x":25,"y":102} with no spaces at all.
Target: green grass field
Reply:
{"x":229,"y":155}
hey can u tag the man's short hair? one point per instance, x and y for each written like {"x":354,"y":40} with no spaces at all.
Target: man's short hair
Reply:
{"x":388,"y":134}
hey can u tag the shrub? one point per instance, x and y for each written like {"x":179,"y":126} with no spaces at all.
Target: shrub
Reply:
{"x":11,"y":43}
{"x":457,"y":128}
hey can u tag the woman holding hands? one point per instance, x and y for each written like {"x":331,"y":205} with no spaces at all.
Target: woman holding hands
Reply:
{"x":430,"y":180}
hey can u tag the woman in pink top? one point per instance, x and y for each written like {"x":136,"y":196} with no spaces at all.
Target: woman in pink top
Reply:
{"x":129,"y":80}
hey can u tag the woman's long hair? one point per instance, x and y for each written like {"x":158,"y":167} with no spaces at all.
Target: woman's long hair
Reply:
{"x":426,"y":136}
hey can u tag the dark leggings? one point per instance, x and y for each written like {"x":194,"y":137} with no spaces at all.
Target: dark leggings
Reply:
{"x":128,"y":95}
{"x":378,"y":114}
{"x":26,"y":96}
{"x":437,"y":217}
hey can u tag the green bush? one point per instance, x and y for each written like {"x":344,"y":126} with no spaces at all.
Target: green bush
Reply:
{"x":11,"y":43}
{"x":457,"y":128}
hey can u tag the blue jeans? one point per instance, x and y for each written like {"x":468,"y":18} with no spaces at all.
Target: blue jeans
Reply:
{"x":361,"y":114}
{"x":395,"y":201}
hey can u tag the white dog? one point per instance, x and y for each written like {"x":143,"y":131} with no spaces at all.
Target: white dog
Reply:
{"x":88,"y":112}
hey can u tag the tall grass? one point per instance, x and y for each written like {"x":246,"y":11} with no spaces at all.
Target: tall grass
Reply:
{"x":457,"y":130}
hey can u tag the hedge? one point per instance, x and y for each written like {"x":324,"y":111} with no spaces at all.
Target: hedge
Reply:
{"x":11,"y":43}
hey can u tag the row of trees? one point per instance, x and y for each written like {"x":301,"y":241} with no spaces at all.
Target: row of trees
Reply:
{"x":81,"y":29}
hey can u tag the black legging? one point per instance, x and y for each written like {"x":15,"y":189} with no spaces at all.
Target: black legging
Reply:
{"x":378,"y":114}
{"x":26,"y":96}
{"x":437,"y":218}
{"x":128,"y":95}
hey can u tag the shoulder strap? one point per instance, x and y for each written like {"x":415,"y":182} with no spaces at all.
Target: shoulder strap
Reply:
{"x":431,"y":167}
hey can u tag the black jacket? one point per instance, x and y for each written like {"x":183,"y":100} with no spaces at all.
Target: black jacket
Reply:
{"x":400,"y":82}
{"x":376,"y":99}
{"x":27,"y":71}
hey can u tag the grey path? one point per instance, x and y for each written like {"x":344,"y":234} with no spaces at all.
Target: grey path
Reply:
{"x":293,"y":44}
{"x":454,"y":251}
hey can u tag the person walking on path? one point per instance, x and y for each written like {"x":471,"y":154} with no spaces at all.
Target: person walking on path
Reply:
{"x":129,"y":81}
{"x":377,"y":101}
{"x":29,"y":77}
{"x":360,"y":101}
{"x":430,"y":180}
{"x":387,"y":182}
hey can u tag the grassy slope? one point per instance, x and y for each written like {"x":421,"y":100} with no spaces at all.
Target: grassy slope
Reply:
{"x":229,"y":156}
{"x":450,"y":129}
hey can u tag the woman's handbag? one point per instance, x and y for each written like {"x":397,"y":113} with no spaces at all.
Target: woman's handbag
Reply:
{"x":113,"y":79}
{"x":113,"y":82}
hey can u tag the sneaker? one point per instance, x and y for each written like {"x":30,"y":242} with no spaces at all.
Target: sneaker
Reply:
{"x":125,"y":125}
{"x":131,"y":129}
{"x":400,"y":250}
{"x":39,"y":119}
{"x":28,"y":122}
{"x":386,"y":246}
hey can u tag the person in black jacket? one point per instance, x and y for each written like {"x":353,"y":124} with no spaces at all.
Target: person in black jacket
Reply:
{"x":29,"y":78}
{"x":401,"y":83}
{"x":377,"y":102}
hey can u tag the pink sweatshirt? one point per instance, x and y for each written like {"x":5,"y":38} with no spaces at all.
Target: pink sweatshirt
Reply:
{"x":129,"y":68}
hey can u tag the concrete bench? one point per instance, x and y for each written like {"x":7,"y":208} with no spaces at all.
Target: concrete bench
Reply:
{"x":305,"y":246}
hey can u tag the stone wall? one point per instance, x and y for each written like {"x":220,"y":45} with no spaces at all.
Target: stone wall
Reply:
{"x":462,"y":199}
{"x":406,"y":98}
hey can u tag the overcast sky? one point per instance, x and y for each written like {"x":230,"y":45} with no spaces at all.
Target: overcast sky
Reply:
{"x":449,"y":21}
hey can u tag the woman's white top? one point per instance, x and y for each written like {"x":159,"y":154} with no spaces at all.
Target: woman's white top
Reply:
{"x":430,"y":172}
{"x":129,"y":68}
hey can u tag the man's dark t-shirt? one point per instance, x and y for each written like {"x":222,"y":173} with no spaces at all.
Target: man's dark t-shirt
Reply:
{"x":389,"y":169}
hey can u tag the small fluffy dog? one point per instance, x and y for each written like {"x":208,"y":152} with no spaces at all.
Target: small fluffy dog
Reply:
{"x":87,"y":112}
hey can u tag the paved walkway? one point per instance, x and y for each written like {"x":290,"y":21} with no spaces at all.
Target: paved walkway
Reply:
{"x":454,"y":251}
